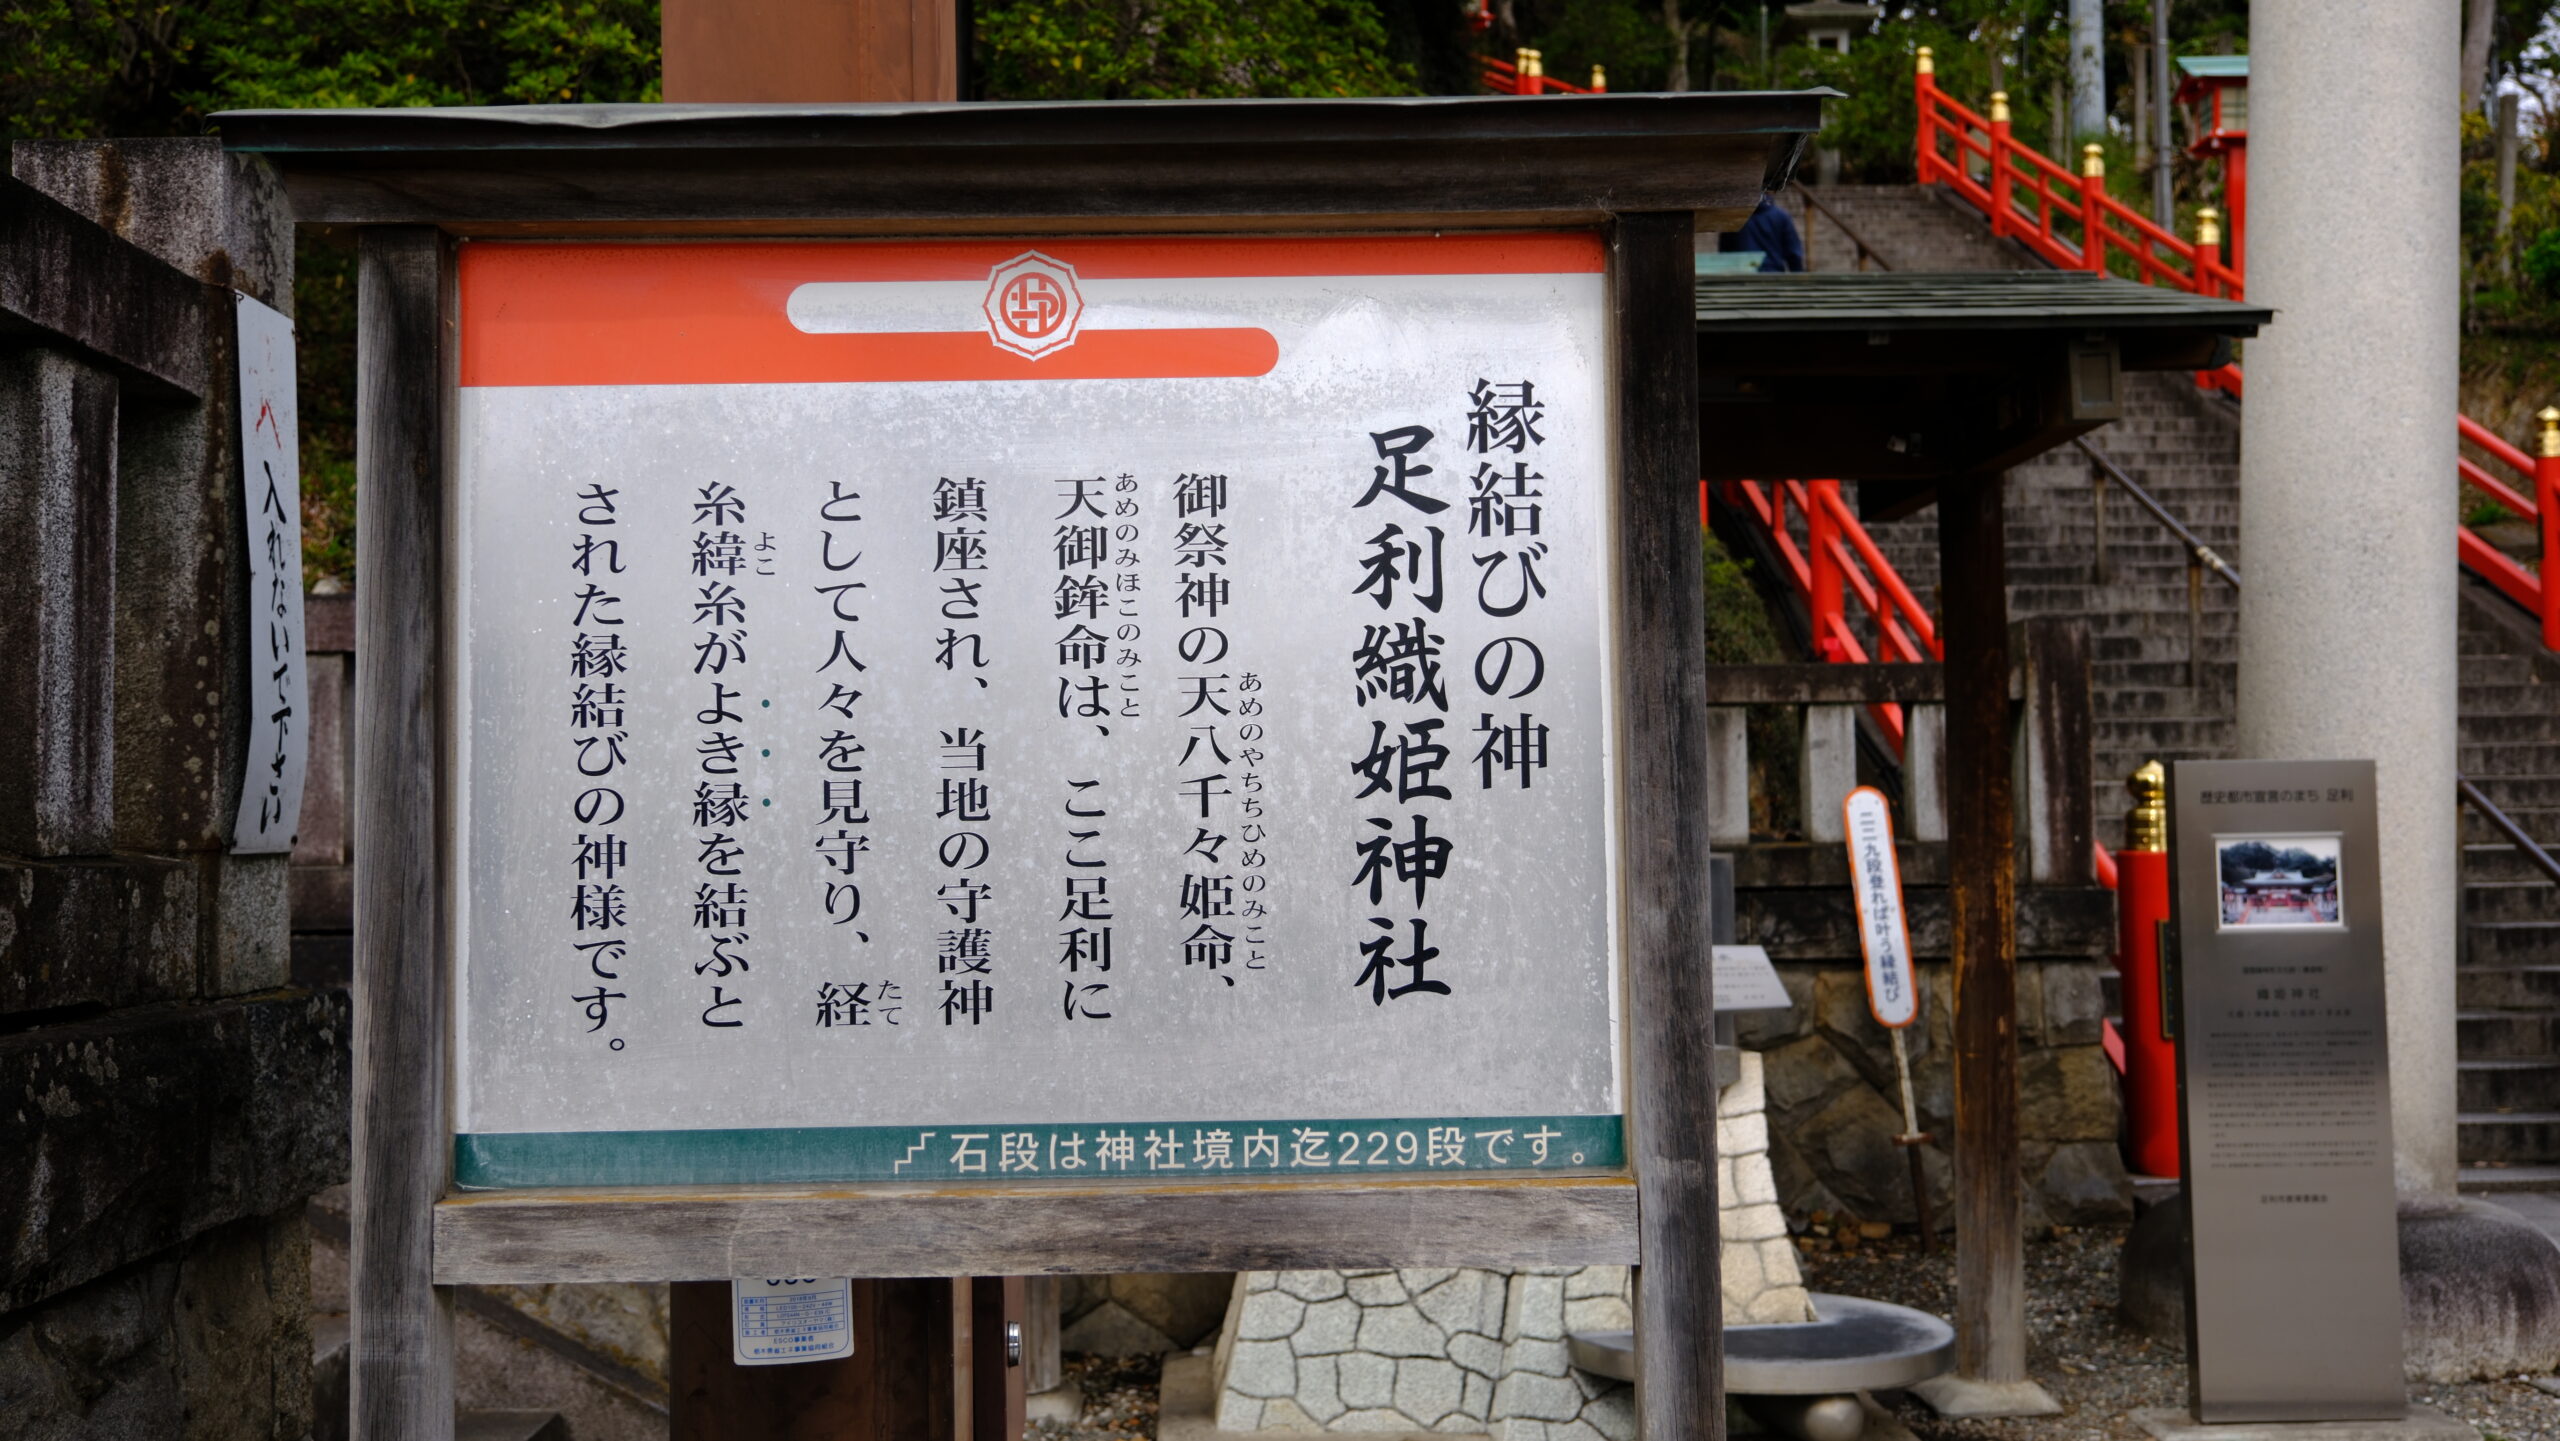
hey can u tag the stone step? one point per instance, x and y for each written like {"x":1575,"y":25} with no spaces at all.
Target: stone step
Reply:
{"x":2519,"y":1177}
{"x":2523,"y":1136}
{"x":2484,"y":697}
{"x":2508,"y":988}
{"x":2506,"y":1035}
{"x":2511,"y":943}
{"x":2534,"y":900}
{"x":2539,"y":758}
{"x":2517,"y":791}
{"x":2500,"y":862}
{"x":2504,"y":730}
{"x":2508,"y":1087}
{"x":2540,"y":822}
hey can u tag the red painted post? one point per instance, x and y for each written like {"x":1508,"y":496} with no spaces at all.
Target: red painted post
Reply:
{"x":1924,"y":83}
{"x":2142,"y":904}
{"x":2235,"y":193}
{"x":2000,"y":211}
{"x":1822,"y":564}
{"x":2546,"y":501}
{"x":2093,"y":196}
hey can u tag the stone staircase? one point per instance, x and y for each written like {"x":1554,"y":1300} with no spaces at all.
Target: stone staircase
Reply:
{"x":2156,"y":695}
{"x":2508,"y":1021}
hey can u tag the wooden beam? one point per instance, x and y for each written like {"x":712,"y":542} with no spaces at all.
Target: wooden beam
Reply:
{"x":1662,"y":739}
{"x":495,"y":1237}
{"x":1991,"y":1301}
{"x":400,"y":1325}
{"x":1816,"y":684}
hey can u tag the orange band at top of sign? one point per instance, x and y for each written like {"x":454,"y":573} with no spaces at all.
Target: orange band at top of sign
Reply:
{"x":713,"y":312}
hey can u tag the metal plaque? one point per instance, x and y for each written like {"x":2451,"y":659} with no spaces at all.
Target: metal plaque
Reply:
{"x":2284,"y":1092}
{"x":1076,"y":708}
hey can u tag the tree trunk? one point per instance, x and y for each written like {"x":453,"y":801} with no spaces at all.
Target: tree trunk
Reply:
{"x":2477,"y":16}
{"x":1678,"y":79}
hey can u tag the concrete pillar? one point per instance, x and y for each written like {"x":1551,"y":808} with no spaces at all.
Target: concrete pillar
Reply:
{"x":2347,"y":513}
{"x":2088,"y":72}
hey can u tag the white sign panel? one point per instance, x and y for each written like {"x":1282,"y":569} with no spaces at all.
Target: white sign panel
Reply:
{"x":271,"y":486}
{"x":787,"y":1321}
{"x":1089,"y":709}
{"x":1875,"y":878}
{"x":1745,"y":981}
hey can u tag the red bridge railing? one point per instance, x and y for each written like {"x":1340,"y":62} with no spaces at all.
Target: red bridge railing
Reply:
{"x":1527,"y":75}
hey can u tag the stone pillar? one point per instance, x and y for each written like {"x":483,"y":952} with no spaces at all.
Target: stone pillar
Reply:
{"x":2088,"y":71}
{"x":2347,"y":514}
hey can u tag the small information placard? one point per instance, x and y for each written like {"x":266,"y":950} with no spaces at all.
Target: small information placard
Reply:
{"x":271,"y":481}
{"x":781,"y":1322}
{"x":1875,"y":882}
{"x":2284,"y":1091}
{"x":1745,"y":981}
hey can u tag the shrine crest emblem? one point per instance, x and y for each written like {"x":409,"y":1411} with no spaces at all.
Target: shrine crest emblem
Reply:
{"x":1033,"y":305}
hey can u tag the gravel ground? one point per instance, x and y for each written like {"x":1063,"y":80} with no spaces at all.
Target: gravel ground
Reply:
{"x":2100,"y":1368}
{"x":1119,"y":1400}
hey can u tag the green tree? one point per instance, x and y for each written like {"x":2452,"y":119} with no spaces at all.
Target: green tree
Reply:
{"x":1182,"y":49}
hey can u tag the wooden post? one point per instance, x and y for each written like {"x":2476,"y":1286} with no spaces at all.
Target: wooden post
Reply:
{"x":400,"y":1324}
{"x":1662,"y":727}
{"x":900,"y":1384}
{"x":2003,"y":215}
{"x":1991,"y":1299}
{"x":997,"y":1352}
{"x":2546,"y":502}
{"x":808,"y":51}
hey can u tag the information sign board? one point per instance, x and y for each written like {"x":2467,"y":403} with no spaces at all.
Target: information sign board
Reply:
{"x":1073,"y":708}
{"x":2284,"y":1092}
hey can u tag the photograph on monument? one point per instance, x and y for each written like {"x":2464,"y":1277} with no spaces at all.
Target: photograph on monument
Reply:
{"x":2278,"y":881}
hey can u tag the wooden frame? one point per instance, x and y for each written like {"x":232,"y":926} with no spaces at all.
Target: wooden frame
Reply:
{"x":412,"y":1239}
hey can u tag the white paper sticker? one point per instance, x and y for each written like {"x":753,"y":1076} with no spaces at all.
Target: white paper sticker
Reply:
{"x":1745,"y":981}
{"x":1875,"y":882}
{"x":271,"y":485}
{"x":782,"y":1322}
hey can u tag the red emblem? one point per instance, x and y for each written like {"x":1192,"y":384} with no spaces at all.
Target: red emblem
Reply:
{"x":1032,"y":305}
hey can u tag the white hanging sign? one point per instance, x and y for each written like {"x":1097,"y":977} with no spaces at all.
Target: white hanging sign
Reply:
{"x":1745,"y":981}
{"x":271,"y":485}
{"x":1875,"y":878}
{"x":781,"y":1322}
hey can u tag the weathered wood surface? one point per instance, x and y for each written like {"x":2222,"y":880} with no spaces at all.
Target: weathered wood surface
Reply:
{"x":65,"y":281}
{"x":1991,"y":1298}
{"x":1821,"y":684}
{"x":1670,"y":1026}
{"x":2060,"y":799}
{"x":807,"y":50}
{"x":58,"y":437}
{"x":1022,"y":168}
{"x":1043,"y":1361}
{"x":996,"y":1367}
{"x":897,"y":1386}
{"x":400,"y":1325}
{"x":134,"y":1131}
{"x":694,"y":1235}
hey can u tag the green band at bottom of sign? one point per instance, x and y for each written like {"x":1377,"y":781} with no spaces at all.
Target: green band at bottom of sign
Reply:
{"x":1175,"y":1150}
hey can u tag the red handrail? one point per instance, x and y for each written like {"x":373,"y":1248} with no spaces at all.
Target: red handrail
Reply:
{"x":1947,"y":151}
{"x":1503,"y":77}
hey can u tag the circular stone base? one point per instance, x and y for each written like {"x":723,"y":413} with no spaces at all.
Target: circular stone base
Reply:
{"x":2479,"y":1287}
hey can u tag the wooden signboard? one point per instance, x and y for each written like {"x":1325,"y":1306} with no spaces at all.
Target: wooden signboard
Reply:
{"x":990,"y":725}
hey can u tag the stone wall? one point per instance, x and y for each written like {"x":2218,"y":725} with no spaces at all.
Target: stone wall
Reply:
{"x":168,"y":1100}
{"x":1482,"y":1352}
{"x":1835,"y":1106}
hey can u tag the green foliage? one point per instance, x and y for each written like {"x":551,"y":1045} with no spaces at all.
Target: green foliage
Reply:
{"x":2542,"y":262}
{"x":92,"y":67}
{"x":1180,"y":49}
